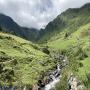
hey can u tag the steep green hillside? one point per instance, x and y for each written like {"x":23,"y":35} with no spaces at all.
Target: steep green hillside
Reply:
{"x":70,"y":34}
{"x":77,"y":47}
{"x":21,"y":62}
{"x":63,"y":42}
{"x":69,"y":21}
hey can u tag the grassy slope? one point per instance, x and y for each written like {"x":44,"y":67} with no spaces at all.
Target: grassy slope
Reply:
{"x":30,"y":60}
{"x":76,"y":23}
{"x":81,"y":38}
{"x":69,"y":21}
{"x":62,"y":43}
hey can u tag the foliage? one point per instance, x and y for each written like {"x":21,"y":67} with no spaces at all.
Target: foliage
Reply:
{"x":23,"y":61}
{"x":68,"y":22}
{"x":45,"y":50}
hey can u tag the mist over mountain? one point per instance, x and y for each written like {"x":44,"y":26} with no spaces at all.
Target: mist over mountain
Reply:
{"x":36,"y":13}
{"x":71,"y":19}
{"x":33,"y":59}
{"x":10,"y":26}
{"x":68,"y":21}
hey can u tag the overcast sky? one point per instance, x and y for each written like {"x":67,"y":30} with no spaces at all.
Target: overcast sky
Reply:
{"x":36,"y":13}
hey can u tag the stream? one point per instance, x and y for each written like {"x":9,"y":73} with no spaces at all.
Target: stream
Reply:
{"x":55,"y":76}
{"x":52,"y":84}
{"x":48,"y":84}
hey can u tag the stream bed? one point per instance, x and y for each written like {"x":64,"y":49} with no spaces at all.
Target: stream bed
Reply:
{"x":52,"y":84}
{"x":55,"y":78}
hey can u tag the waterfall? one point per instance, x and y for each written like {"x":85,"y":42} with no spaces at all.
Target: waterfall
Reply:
{"x":55,"y":78}
{"x":52,"y":84}
{"x":58,"y":67}
{"x":52,"y":76}
{"x":25,"y":88}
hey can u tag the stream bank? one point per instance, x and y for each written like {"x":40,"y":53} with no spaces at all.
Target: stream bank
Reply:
{"x":53,"y":77}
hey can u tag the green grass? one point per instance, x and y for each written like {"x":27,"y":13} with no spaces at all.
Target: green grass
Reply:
{"x":62,"y":43}
{"x":80,"y":38}
{"x":70,"y":21}
{"x":85,"y":69}
{"x":31,"y":61}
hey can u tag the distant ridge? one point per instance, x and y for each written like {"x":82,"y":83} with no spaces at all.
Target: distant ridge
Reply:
{"x":64,"y":21}
{"x":10,"y":26}
{"x":70,"y":21}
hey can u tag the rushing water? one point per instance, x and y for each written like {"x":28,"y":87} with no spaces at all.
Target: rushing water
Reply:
{"x":52,"y":84}
{"x":54,"y":81}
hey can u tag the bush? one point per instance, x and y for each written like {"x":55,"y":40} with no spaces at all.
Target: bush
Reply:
{"x":2,"y":52}
{"x":88,"y":77}
{"x":80,"y":53}
{"x":80,"y":64}
{"x":34,"y":46}
{"x":7,"y":74}
{"x":0,"y":28}
{"x":45,"y":50}
{"x":16,"y":47}
{"x":1,"y":68}
{"x":87,"y":81}
{"x":1,"y":37}
{"x":14,"y":62}
{"x":66,"y":35}
{"x":9,"y":38}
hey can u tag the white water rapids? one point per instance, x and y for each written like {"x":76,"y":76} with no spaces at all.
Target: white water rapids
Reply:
{"x":55,"y":80}
{"x":52,"y":84}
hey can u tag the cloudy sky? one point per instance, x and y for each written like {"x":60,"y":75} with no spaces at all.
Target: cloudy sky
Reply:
{"x":36,"y":13}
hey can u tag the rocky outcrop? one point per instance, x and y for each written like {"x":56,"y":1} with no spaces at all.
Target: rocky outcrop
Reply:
{"x":73,"y":84}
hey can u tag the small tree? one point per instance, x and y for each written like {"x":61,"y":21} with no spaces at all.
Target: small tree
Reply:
{"x":66,"y":35}
{"x":1,"y":68}
{"x":45,"y":50}
{"x":0,"y":28}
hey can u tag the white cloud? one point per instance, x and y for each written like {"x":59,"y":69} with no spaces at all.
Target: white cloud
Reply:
{"x":36,"y":13}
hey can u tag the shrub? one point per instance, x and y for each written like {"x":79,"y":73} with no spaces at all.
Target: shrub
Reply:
{"x":14,"y":62}
{"x":7,"y":74}
{"x":15,"y":47}
{"x":45,"y":50}
{"x":0,"y":28}
{"x":2,"y":52}
{"x":34,"y":46}
{"x":66,"y":35}
{"x":9,"y":38}
{"x":1,"y":68}
{"x":80,"y":64}
{"x":80,"y":53}
{"x":1,"y":37}
{"x":87,"y":80}
{"x":88,"y":77}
